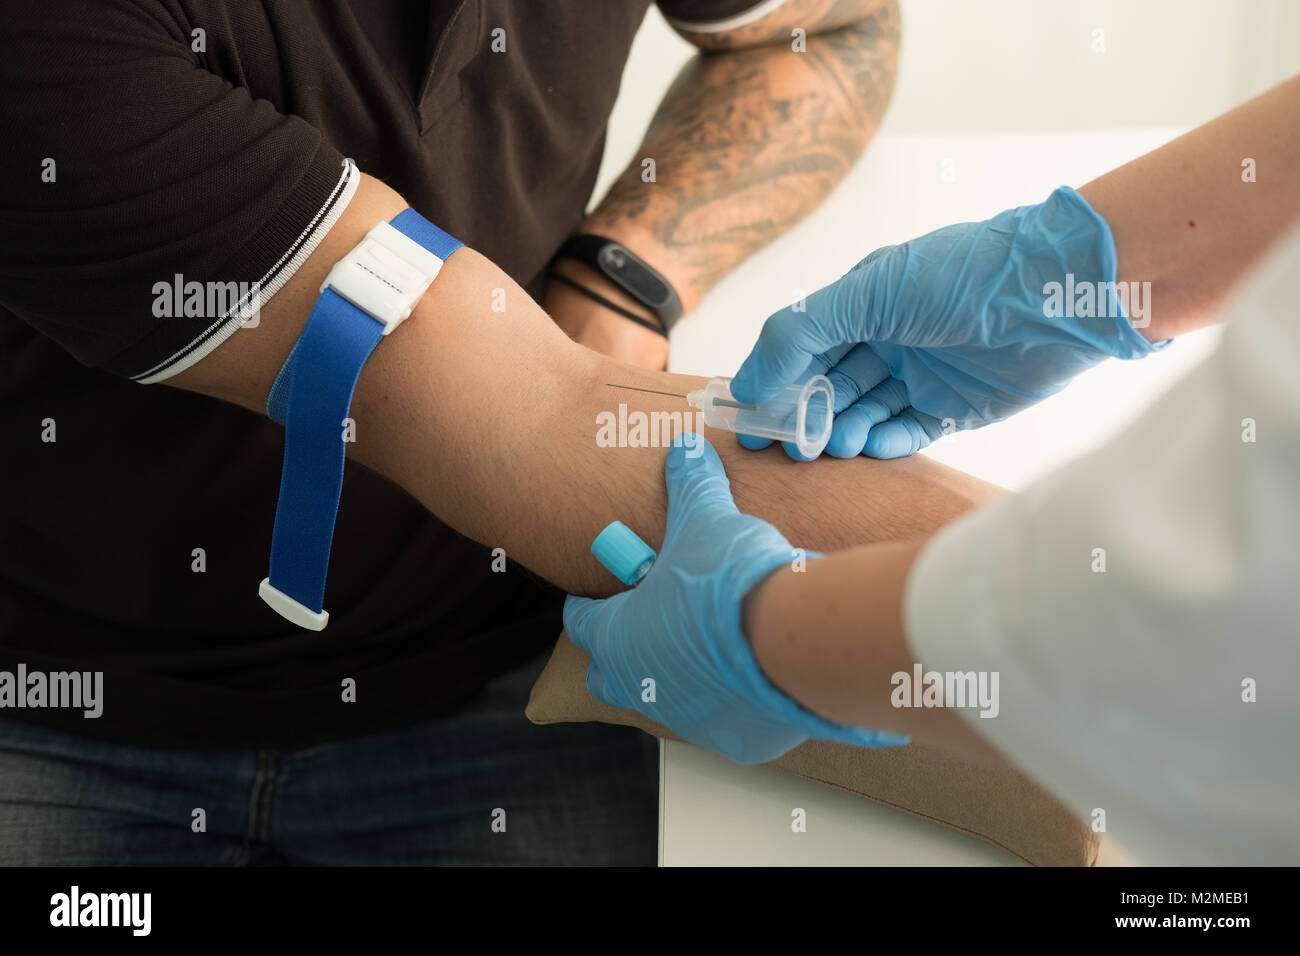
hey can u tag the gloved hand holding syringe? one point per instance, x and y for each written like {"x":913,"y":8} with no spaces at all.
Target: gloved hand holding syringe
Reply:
{"x":800,"y":415}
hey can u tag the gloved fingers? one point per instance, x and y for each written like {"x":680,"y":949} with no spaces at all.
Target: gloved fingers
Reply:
{"x":853,"y":425}
{"x":756,"y":444}
{"x":792,"y":450}
{"x":598,"y":687}
{"x":823,"y":364}
{"x":857,"y":408}
{"x":586,"y":620}
{"x":856,"y":373}
{"x":753,"y":442}
{"x":907,"y":432}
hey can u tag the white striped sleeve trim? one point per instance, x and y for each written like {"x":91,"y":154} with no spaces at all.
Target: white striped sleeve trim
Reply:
{"x":756,"y":12}
{"x":271,"y":283}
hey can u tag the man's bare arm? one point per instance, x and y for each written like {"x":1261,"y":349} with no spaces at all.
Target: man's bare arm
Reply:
{"x":490,"y":420}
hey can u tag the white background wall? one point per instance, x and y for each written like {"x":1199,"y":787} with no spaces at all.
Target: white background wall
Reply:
{"x":1028,"y":65}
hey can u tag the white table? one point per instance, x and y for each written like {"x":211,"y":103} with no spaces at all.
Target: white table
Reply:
{"x":713,"y":811}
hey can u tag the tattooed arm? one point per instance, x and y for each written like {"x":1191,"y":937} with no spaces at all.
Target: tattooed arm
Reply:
{"x":751,"y":136}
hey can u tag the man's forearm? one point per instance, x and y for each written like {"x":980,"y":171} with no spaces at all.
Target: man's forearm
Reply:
{"x":748,"y":140}
{"x":541,"y":484}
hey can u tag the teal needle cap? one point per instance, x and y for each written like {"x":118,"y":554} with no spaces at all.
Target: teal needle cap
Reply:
{"x":626,"y":556}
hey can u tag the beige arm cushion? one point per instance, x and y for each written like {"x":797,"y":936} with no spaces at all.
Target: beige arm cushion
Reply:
{"x":996,"y":804}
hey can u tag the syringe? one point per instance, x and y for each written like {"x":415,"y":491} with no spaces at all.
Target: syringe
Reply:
{"x":801,"y":414}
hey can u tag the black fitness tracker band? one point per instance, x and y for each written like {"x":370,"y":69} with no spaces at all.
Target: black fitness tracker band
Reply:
{"x":610,"y":304}
{"x":623,"y":267}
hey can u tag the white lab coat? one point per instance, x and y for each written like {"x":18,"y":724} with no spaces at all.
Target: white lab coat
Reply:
{"x":1128,"y":690}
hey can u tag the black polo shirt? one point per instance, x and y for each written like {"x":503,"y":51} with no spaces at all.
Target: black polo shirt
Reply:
{"x":148,"y":145}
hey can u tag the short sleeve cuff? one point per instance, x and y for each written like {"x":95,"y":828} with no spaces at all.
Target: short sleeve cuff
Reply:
{"x":269,"y":259}
{"x":716,"y":16}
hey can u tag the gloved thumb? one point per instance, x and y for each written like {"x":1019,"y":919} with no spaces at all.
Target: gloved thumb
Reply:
{"x":585,"y":618}
{"x":698,"y":487}
{"x":834,"y":315}
{"x":783,"y":352}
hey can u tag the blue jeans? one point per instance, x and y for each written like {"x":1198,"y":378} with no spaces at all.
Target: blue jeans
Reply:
{"x":426,"y":795}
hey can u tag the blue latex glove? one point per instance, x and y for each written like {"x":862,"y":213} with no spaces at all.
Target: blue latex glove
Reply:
{"x":949,"y":331}
{"x":681,"y":627}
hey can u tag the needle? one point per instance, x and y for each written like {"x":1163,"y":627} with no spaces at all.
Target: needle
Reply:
{"x":650,"y":390}
{"x":725,"y":403}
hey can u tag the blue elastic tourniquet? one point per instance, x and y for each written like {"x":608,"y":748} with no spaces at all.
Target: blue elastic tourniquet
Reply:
{"x":311,"y":397}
